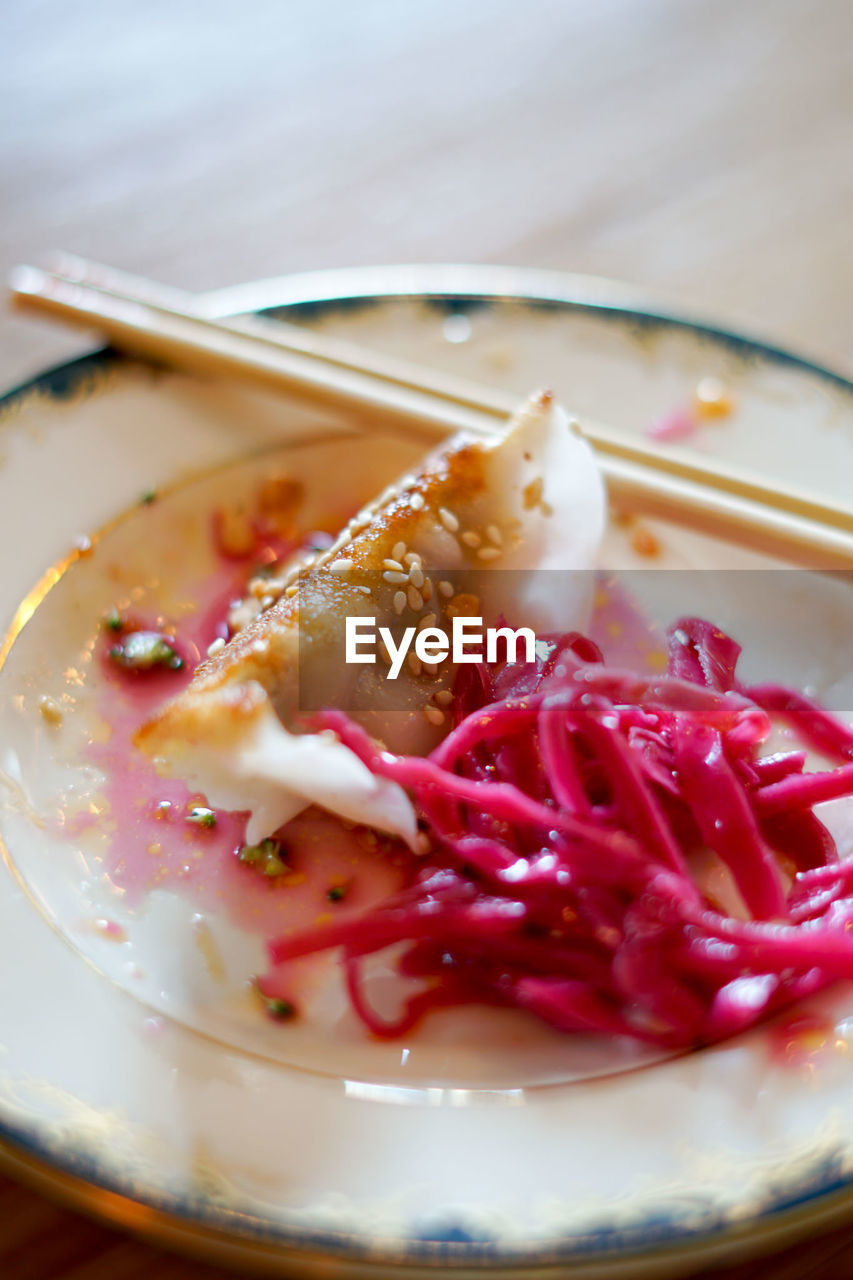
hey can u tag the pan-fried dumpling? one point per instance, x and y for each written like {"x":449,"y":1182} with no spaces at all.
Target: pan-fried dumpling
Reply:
{"x":481,"y":511}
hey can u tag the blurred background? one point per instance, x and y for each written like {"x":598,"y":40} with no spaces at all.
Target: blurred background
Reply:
{"x":701,"y":149}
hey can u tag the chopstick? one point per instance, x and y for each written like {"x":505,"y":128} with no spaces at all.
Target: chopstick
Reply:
{"x":166,"y":324}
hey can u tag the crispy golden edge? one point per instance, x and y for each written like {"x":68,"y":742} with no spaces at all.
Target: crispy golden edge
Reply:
{"x":230,"y":685}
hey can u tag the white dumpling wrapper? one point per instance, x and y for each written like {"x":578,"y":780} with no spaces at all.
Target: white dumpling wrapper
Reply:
{"x":228,"y":733}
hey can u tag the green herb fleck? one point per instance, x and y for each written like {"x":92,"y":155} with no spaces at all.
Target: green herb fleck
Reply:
{"x":144,"y":650}
{"x":337,"y":892}
{"x":278,"y":1008}
{"x":113,"y":620}
{"x":148,"y":496}
{"x":202,"y":817}
{"x":267,"y":856}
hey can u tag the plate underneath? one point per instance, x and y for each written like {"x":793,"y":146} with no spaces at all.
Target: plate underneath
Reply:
{"x":172,"y":1113}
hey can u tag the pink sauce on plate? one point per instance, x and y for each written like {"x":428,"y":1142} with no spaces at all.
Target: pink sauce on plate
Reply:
{"x":160,"y":837}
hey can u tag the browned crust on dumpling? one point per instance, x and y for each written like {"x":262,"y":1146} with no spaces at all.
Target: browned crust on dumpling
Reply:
{"x":266,"y":650}
{"x":194,"y":720}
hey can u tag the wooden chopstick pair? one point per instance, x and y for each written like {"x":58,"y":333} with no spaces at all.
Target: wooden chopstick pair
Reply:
{"x":165,"y":324}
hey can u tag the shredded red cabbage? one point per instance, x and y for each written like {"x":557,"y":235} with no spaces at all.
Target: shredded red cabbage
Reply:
{"x":570,"y":810}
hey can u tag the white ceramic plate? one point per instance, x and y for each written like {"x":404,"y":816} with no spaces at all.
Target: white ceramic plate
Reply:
{"x":137,"y":1077}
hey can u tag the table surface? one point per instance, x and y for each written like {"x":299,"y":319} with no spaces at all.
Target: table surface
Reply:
{"x":700,"y":150}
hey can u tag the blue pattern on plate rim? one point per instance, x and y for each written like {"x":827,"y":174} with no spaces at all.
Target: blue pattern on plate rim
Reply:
{"x":685,"y":1220}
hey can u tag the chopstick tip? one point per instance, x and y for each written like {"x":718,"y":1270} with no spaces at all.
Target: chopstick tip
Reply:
{"x":25,"y":281}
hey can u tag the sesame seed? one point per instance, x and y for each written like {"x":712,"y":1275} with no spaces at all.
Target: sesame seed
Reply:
{"x":417,"y":501}
{"x":446,"y":589}
{"x":240,"y":615}
{"x":416,"y":600}
{"x":489,"y":553}
{"x":426,"y":590}
{"x":399,"y":601}
{"x":427,"y":621}
{"x":444,"y":697}
{"x":470,"y":538}
{"x":391,"y":575}
{"x":413,"y":662}
{"x":434,"y":714}
{"x":266,"y":601}
{"x":412,"y":558}
{"x":340,"y":566}
{"x":430,"y":668}
{"x":215,"y":646}
{"x":392,"y":564}
{"x":361,"y":521}
{"x":494,"y":535}
{"x":291,"y":590}
{"x":416,"y":576}
{"x":398,"y":550}
{"x":365,"y":591}
{"x":50,"y":709}
{"x":448,"y":519}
